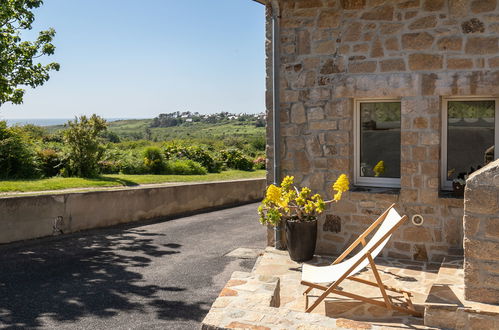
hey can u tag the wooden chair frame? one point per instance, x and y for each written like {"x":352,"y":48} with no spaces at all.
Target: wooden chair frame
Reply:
{"x":408,"y":308}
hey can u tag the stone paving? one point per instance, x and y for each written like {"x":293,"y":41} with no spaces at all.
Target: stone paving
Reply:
{"x":446,"y":306}
{"x":416,"y":277}
{"x":249,"y":300}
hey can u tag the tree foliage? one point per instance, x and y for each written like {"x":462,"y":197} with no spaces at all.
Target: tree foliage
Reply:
{"x":17,"y":159}
{"x":18,"y":65}
{"x":84,"y":147}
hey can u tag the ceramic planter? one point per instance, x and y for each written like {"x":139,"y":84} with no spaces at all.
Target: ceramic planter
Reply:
{"x":301,"y":237}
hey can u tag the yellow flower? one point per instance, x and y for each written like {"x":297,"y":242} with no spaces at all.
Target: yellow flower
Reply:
{"x":287,"y":182}
{"x":341,"y":185}
{"x":309,"y":207}
{"x":379,"y":168}
{"x":273,"y":194}
{"x":305,"y":192}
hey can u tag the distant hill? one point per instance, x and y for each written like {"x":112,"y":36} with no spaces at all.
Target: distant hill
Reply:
{"x":222,"y":128}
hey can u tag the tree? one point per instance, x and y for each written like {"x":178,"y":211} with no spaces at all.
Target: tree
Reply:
{"x":18,"y":65}
{"x":84,"y":148}
{"x":17,"y":158}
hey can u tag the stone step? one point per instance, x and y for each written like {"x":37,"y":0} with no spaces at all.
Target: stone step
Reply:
{"x":445,"y":306}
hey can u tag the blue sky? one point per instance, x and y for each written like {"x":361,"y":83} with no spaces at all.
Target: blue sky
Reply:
{"x":128,"y":58}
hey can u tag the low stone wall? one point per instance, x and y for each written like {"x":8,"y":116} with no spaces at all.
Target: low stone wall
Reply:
{"x":45,"y":215}
{"x":481,"y":235}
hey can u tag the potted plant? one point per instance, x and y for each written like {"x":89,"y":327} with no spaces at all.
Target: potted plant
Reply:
{"x":458,"y":187}
{"x":299,"y":208}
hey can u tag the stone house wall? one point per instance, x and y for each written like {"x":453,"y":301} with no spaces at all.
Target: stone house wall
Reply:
{"x":481,"y":235}
{"x":336,"y":51}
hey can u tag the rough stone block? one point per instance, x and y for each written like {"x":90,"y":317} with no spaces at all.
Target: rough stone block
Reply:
{"x":392,"y":65}
{"x":480,"y":6}
{"x":424,"y":23}
{"x":481,"y":201}
{"x":492,"y":228}
{"x":433,"y":5}
{"x":458,"y":8}
{"x":298,"y":115}
{"x":330,"y":18}
{"x":409,"y":4}
{"x":482,"y":45}
{"x":481,"y":250}
{"x":460,"y":63}
{"x":450,"y":43}
{"x":425,"y":62}
{"x":353,"y":4}
{"x":383,"y":13}
{"x":417,"y":234}
{"x":308,"y":3}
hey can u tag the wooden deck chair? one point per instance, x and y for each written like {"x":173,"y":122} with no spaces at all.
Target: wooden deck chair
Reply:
{"x":342,"y":269}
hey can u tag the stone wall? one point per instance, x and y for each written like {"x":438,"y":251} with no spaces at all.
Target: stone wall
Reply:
{"x":481,"y":235}
{"x":333,"y":52}
{"x":30,"y":217}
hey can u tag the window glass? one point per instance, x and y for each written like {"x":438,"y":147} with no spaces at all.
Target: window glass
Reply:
{"x":470,"y":136}
{"x":380,"y":139}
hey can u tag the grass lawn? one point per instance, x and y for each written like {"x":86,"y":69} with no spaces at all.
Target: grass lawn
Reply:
{"x":120,"y":180}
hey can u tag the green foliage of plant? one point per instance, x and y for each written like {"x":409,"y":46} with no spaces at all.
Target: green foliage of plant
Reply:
{"x":50,"y":162}
{"x":17,"y":57}
{"x":17,"y":157}
{"x":185,"y":167}
{"x":258,"y":143}
{"x":196,"y":153}
{"x":293,"y":204}
{"x":84,"y":147}
{"x":235,"y":159}
{"x":154,"y":160}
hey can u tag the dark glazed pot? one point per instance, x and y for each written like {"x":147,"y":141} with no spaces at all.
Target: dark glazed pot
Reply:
{"x":301,"y":238}
{"x":458,"y":189}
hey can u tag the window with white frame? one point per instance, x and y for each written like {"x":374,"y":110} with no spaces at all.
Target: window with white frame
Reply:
{"x":377,"y":143}
{"x":470,"y":131}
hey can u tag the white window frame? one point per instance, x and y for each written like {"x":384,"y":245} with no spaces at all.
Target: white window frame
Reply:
{"x":370,"y":181}
{"x":447,"y":184}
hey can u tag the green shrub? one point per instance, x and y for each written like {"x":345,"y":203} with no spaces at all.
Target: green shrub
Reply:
{"x":235,"y":159}
{"x":84,"y":148}
{"x":258,"y":143}
{"x":153,"y":160}
{"x":132,"y":164}
{"x":17,"y":156}
{"x":195,"y":153}
{"x":185,"y":167}
{"x":50,"y":162}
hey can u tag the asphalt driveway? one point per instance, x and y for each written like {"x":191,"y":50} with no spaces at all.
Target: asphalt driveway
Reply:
{"x":161,"y":275}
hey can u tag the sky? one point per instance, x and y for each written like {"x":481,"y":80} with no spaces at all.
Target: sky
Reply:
{"x":137,"y":59}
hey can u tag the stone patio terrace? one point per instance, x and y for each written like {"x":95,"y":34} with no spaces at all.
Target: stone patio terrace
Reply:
{"x":249,"y":300}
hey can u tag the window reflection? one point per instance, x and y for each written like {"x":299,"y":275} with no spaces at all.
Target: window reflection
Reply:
{"x":380,"y":139}
{"x":470,"y":136}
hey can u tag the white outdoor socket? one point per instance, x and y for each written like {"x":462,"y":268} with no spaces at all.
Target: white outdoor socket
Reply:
{"x":417,"y":220}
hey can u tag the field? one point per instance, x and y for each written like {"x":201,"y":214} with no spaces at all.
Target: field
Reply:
{"x":139,"y":129}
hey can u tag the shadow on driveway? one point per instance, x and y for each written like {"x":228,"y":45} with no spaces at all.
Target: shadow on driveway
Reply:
{"x":86,"y":275}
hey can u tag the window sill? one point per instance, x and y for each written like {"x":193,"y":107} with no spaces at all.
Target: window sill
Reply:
{"x":376,"y":190}
{"x":449,"y":194}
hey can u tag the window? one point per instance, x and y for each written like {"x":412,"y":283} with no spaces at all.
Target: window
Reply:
{"x":469,"y":133}
{"x":377,"y":143}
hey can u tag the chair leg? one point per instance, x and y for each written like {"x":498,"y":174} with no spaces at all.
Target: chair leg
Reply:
{"x":381,"y":286}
